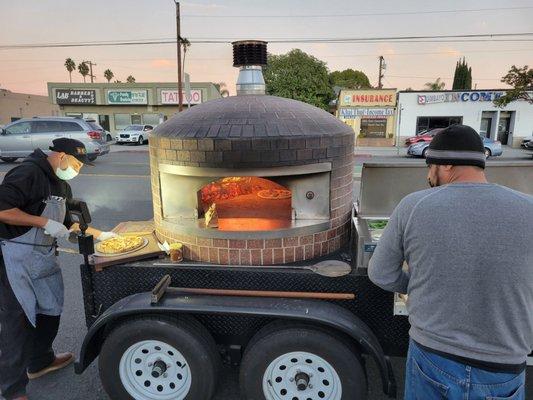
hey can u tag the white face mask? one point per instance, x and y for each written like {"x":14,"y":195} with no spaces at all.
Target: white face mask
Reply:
{"x":66,"y":174}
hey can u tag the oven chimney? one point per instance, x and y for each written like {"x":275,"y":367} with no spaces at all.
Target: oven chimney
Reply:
{"x":250,"y":56}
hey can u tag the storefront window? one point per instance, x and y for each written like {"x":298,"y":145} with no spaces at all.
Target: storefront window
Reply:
{"x":122,"y":120}
{"x":136,"y":119}
{"x":374,"y":127}
{"x":151,"y":119}
{"x":429,"y":123}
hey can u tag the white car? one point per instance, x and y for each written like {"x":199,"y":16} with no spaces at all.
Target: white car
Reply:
{"x":137,"y":134}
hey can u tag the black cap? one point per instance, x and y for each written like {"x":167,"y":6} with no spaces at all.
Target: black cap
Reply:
{"x":72,"y":147}
{"x":456,"y":145}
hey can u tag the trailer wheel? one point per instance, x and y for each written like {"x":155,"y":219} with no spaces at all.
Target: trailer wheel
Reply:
{"x":301,"y":363}
{"x":159,"y":358}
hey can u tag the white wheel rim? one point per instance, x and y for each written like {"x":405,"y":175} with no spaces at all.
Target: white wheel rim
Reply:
{"x":320,"y":380}
{"x":154,"y":370}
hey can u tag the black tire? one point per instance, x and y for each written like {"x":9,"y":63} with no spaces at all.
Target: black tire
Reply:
{"x":185,"y":334}
{"x":92,"y":158}
{"x":108,"y":138}
{"x":424,"y":152}
{"x":9,"y":159}
{"x":140,"y":141}
{"x":278,"y":339}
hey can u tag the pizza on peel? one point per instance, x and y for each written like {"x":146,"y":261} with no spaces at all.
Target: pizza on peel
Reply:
{"x":119,"y":244}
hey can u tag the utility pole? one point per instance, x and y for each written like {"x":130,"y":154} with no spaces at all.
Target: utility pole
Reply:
{"x":91,"y":70}
{"x":178,"y":41}
{"x":381,"y":68}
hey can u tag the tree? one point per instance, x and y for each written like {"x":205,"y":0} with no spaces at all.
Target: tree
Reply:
{"x":108,"y":74}
{"x":521,"y":80}
{"x":300,"y":76}
{"x":462,"y":79}
{"x":83,"y":69}
{"x":186,"y":44}
{"x":349,"y":79}
{"x":437,"y":85}
{"x":130,"y":79}
{"x":221,"y":87}
{"x":70,"y":65}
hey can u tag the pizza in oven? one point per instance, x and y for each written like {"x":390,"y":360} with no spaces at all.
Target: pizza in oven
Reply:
{"x":274,"y":194}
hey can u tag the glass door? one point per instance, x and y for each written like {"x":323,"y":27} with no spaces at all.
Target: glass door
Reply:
{"x":503,"y":128}
{"x":486,"y":125}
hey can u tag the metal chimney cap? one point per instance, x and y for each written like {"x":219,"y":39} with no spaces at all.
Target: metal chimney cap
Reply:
{"x":249,"y":52}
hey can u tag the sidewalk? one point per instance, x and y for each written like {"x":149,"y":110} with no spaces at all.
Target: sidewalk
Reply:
{"x":368,"y":152}
{"x":127,"y":148}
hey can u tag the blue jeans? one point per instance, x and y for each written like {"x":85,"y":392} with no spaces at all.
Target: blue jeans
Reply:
{"x":429,"y":376}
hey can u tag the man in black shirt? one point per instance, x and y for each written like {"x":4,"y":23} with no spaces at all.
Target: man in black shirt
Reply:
{"x":33,"y":215}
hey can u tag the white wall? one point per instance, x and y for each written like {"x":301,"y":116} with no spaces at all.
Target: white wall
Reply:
{"x":471,"y":111}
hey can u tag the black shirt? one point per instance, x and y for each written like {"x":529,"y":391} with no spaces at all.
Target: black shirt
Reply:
{"x":26,"y":187}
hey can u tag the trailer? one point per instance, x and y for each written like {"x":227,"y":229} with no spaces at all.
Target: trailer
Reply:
{"x":162,"y":330}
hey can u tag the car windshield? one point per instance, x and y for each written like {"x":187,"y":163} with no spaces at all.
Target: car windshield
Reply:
{"x":95,"y":126}
{"x":134,"y":128}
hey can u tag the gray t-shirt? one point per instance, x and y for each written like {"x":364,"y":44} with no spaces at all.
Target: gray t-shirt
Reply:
{"x":469,"y":248}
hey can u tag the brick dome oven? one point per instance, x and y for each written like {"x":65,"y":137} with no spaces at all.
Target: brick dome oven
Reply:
{"x":252,"y":179}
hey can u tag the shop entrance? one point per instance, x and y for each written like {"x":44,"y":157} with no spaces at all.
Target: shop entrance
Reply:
{"x":504,"y":126}
{"x":103,"y":121}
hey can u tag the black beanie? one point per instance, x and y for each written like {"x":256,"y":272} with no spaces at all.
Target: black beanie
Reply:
{"x":456,"y":145}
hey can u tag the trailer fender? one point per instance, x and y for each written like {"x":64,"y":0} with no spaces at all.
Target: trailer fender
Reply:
{"x":310,"y":311}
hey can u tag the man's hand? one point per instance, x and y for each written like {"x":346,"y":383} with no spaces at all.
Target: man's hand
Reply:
{"x":106,"y":235}
{"x":56,"y":229}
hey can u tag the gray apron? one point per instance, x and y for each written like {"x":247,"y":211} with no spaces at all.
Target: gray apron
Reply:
{"x":33,"y":269}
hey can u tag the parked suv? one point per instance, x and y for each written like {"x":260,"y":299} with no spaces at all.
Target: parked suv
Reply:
{"x":21,"y":137}
{"x":136,"y":133}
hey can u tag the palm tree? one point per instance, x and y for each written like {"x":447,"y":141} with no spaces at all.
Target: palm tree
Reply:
{"x":70,"y":65}
{"x":186,"y":44}
{"x":108,"y":74}
{"x":221,"y":87}
{"x":437,"y":85}
{"x":83,"y":69}
{"x":130,"y":79}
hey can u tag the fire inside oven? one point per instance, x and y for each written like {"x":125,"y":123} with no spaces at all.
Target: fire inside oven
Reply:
{"x":245,"y":203}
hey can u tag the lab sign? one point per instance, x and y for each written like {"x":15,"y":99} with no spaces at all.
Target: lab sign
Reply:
{"x":171,"y":97}
{"x":456,"y":97}
{"x":75,"y":96}
{"x":127,"y":97}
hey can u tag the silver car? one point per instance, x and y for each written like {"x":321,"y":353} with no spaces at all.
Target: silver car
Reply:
{"x":136,"y":133}
{"x":18,"y":139}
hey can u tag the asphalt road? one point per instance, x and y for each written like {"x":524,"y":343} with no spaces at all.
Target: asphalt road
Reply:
{"x":118,"y":189}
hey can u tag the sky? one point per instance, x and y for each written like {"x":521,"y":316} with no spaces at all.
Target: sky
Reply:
{"x":408,"y":64}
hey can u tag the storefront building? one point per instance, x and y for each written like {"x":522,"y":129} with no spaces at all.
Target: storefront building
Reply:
{"x":116,"y":105}
{"x":14,"y":106}
{"x":420,"y":111}
{"x":370,"y":113}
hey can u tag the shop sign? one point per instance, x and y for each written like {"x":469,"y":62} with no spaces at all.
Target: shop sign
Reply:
{"x":457,"y":97}
{"x":171,"y":97}
{"x":352,"y":113}
{"x":127,"y":97}
{"x":75,"y":96}
{"x":368,"y":98}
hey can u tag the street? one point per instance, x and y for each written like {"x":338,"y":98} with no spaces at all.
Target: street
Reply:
{"x":118,"y":189}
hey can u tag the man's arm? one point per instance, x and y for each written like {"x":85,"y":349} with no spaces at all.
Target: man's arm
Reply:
{"x":15,"y":216}
{"x":385,"y":267}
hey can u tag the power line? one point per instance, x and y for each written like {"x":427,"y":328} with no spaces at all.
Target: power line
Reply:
{"x":361,"y":14}
{"x":487,"y":36}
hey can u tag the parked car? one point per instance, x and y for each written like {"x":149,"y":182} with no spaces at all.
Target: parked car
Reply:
{"x":18,"y":139}
{"x":137,"y":134}
{"x":529,"y":147}
{"x":424,"y":136}
{"x":493,"y":148}
{"x":525,"y":142}
{"x":106,"y":135}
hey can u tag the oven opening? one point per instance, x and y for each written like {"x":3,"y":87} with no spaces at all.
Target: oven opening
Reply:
{"x":245,"y":203}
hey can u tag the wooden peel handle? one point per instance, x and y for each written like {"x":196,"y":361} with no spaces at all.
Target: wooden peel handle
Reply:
{"x":262,"y":293}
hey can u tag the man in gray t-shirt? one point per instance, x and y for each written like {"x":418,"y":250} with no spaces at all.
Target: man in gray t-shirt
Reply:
{"x":468,"y":246}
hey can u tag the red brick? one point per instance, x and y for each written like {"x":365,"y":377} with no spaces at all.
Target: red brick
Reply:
{"x":204,"y":253}
{"x":320,"y":237}
{"x":278,"y":256}
{"x":290,"y":241}
{"x":255,"y":243}
{"x":237,"y":244}
{"x":234,"y":257}
{"x":213,"y":255}
{"x":331,"y":233}
{"x":256,"y":257}
{"x":268,"y":256}
{"x":245,"y":257}
{"x":289,"y":254}
{"x":220,"y":243}
{"x":223,"y":256}
{"x":204,"y":242}
{"x":317,"y":249}
{"x":325,"y":249}
{"x":195,"y":253}
{"x":271,"y":243}
{"x":299,"y":253}
{"x":306,"y":239}
{"x":186,"y":253}
{"x":308,"y":252}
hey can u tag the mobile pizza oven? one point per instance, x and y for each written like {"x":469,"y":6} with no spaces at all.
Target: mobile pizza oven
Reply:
{"x":259,"y":190}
